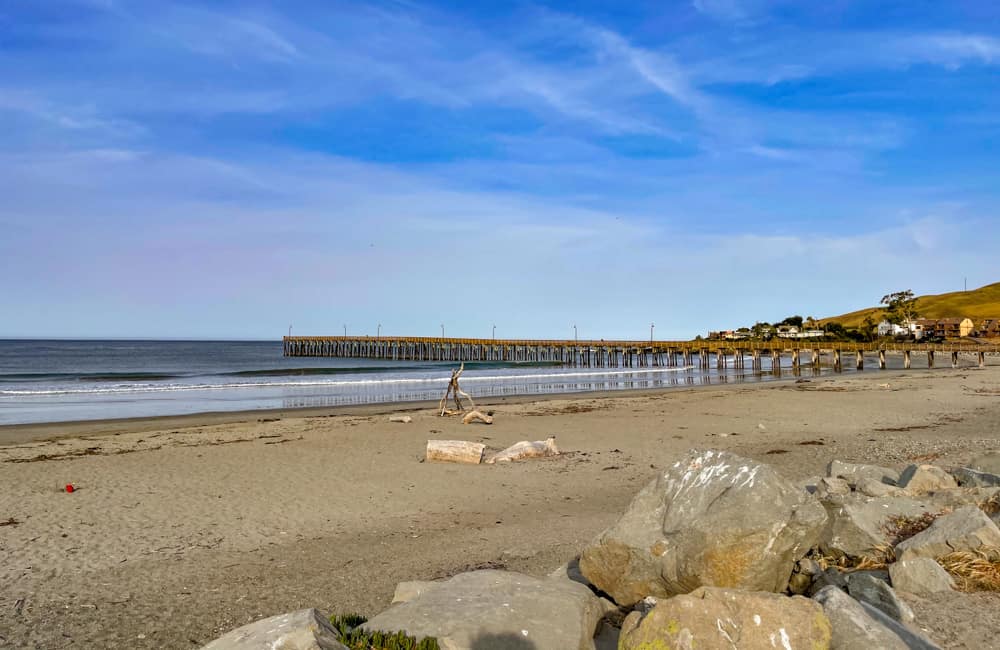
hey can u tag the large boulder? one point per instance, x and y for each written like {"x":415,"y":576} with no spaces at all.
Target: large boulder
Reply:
{"x":711,"y":519}
{"x":489,"y":609}
{"x":919,"y":479}
{"x":965,"y":529}
{"x":301,"y":630}
{"x":723,"y":618}
{"x":853,"y":473}
{"x":920,"y":576}
{"x":853,"y":628}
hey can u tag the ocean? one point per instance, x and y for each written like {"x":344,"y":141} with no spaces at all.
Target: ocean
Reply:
{"x":60,"y":380}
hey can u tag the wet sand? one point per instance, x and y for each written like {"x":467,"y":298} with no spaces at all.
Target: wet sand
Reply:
{"x":185,"y":527}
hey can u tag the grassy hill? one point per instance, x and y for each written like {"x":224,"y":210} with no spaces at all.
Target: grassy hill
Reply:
{"x":977,"y":304}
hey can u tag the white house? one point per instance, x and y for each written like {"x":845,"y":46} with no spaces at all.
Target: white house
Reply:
{"x":787,"y":332}
{"x":885,"y":328}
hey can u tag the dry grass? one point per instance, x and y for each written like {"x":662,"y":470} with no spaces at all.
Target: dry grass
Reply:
{"x":974,"y":570}
{"x":900,"y":528}
{"x":880,"y":558}
{"x":977,"y":304}
{"x":991,"y":506}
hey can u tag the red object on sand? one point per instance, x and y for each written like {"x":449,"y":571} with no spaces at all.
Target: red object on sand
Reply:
{"x":69,"y":487}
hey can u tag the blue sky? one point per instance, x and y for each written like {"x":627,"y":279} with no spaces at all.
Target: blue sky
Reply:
{"x":225,"y":169}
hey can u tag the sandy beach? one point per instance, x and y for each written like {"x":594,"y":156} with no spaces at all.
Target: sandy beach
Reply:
{"x":183,"y":528}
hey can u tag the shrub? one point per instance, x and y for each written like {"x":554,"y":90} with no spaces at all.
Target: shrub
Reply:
{"x":355,"y":638}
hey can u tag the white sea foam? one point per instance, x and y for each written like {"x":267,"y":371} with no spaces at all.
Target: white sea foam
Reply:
{"x":640,"y":375}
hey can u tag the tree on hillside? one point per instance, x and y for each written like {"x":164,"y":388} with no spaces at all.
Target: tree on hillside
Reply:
{"x":792,"y":320}
{"x":868,"y":328}
{"x":900,"y":307}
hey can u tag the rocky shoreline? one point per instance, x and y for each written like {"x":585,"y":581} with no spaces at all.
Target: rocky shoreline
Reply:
{"x":720,"y":551}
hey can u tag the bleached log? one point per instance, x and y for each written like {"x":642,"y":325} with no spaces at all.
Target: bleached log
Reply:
{"x":526,"y":449}
{"x":405,"y":419}
{"x":477,"y":416}
{"x":455,"y":451}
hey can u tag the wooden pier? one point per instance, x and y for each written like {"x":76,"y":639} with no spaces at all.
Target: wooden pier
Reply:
{"x":793,"y":353}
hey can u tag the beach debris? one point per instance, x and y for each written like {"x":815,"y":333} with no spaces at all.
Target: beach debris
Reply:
{"x":454,"y":390}
{"x":712,"y":518}
{"x":10,"y":522}
{"x":402,"y":419}
{"x":477,"y":416}
{"x":526,"y":449}
{"x":70,"y":488}
{"x":455,"y":451}
{"x":886,"y":386}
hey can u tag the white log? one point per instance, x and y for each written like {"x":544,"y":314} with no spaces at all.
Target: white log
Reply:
{"x":477,"y":416}
{"x":526,"y":449}
{"x":455,"y":451}
{"x":405,"y":419}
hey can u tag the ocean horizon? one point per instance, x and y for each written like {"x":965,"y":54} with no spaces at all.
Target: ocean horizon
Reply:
{"x":55,"y":380}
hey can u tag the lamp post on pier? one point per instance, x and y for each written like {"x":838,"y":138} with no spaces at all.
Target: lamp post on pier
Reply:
{"x":442,"y":330}
{"x":379,"y":335}
{"x":345,"y":331}
{"x":576,"y":338}
{"x":651,"y":326}
{"x":289,"y":331}
{"x":494,"y":331}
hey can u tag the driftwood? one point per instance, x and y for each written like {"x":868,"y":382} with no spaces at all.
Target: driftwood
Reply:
{"x":526,"y":449}
{"x":477,"y":416}
{"x":458,"y":393}
{"x":404,"y":419}
{"x":455,"y":451}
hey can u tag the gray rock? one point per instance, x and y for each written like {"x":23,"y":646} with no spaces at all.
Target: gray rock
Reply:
{"x":968,"y":477}
{"x":799,"y":583}
{"x":853,"y":628}
{"x":857,"y":525}
{"x":712,"y":518}
{"x":407,"y":591}
{"x":832,"y":486}
{"x":913,"y":640}
{"x":497,"y":609}
{"x":808,"y":484}
{"x":808,"y":567}
{"x":989,"y":462}
{"x":829,"y":578}
{"x":872,"y":488}
{"x":918,"y":479}
{"x":868,"y":588}
{"x":301,"y":630}
{"x":966,"y":529}
{"x":920,"y":575}
{"x":723,"y":618}
{"x":854,"y":472}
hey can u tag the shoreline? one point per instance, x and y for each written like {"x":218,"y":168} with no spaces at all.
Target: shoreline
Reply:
{"x":21,"y":433}
{"x":175,"y":536}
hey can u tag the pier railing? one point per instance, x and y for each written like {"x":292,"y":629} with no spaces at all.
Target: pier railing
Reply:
{"x":602,"y":353}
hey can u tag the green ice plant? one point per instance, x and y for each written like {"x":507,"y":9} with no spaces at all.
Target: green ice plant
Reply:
{"x":351,"y":635}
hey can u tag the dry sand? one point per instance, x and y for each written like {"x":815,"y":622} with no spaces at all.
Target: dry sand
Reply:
{"x":183,"y":528}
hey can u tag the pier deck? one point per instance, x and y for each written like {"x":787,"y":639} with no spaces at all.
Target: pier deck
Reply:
{"x":624,"y":354}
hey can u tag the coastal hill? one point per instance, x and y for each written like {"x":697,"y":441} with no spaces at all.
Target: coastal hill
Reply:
{"x":977,"y":304}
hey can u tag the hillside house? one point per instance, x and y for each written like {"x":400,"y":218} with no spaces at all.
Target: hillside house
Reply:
{"x":952,"y":328}
{"x":885,"y":328}
{"x":989,"y":328}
